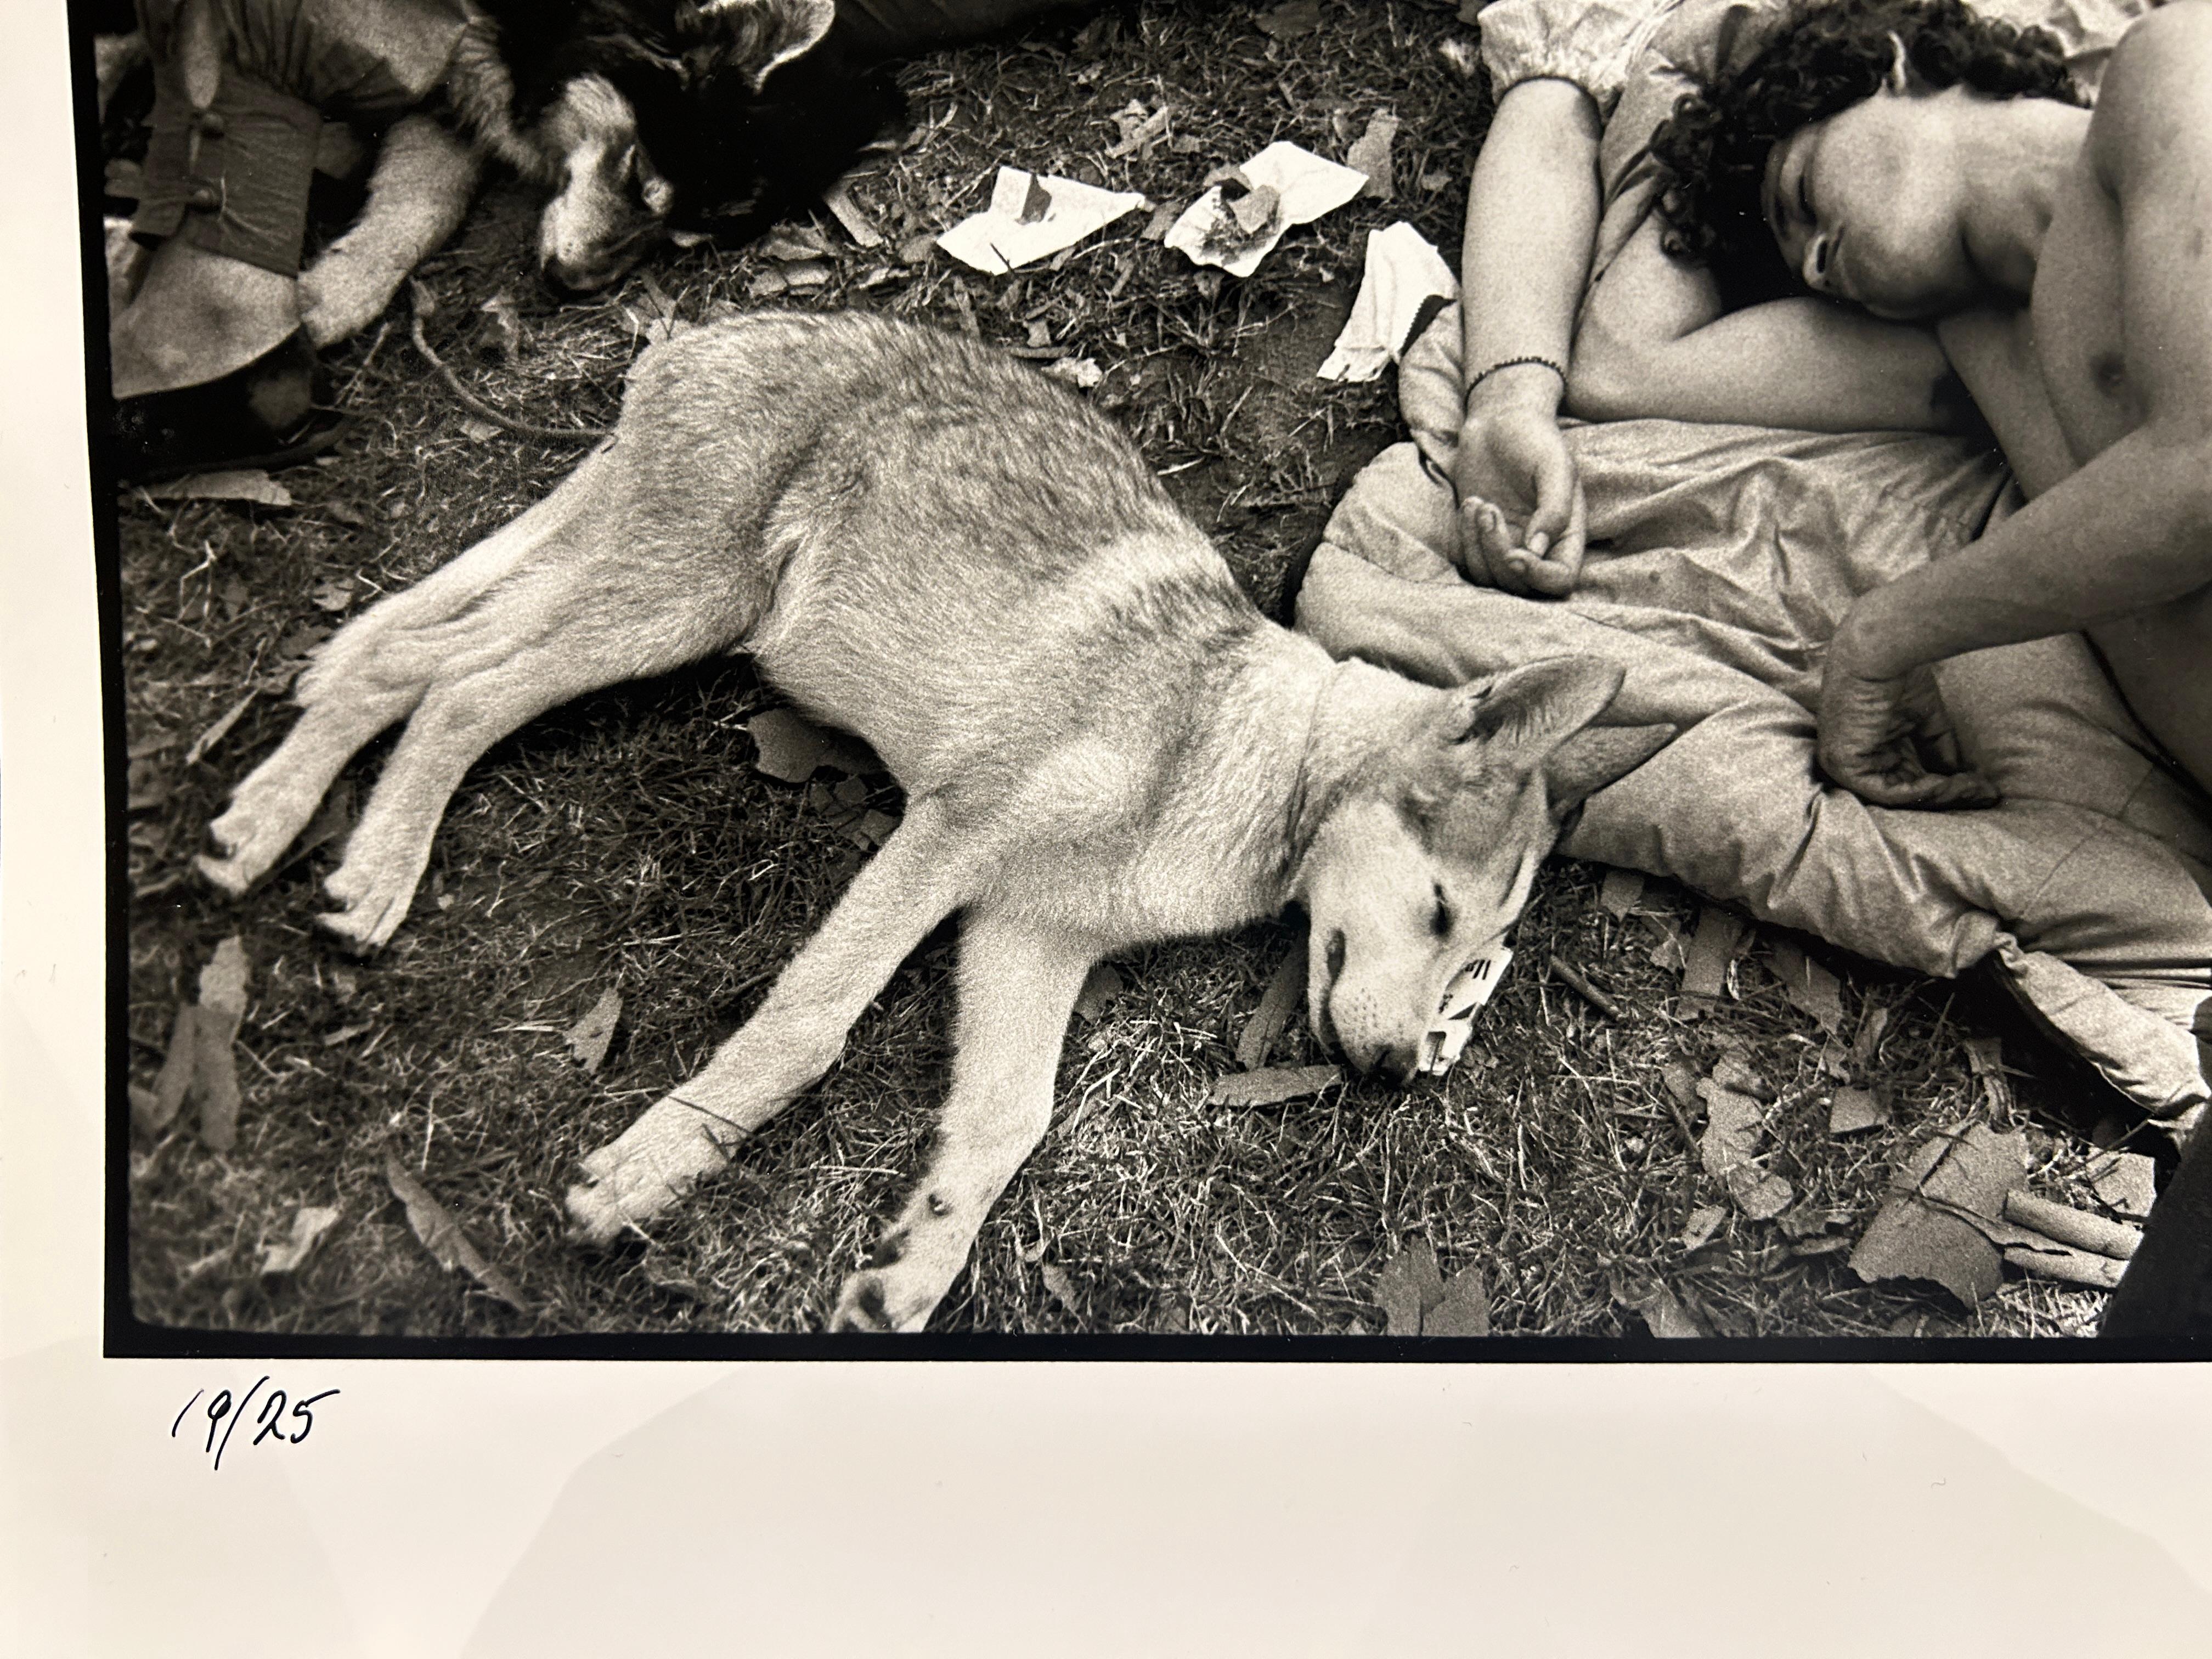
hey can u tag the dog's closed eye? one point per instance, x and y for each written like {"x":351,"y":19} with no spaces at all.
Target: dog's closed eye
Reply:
{"x":1440,"y":920}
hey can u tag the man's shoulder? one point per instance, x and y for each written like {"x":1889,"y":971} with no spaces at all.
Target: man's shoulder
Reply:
{"x":2155,"y":109}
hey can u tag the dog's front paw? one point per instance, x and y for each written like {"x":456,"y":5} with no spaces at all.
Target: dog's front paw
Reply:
{"x":250,"y":837}
{"x":646,"y":1169}
{"x":874,"y":1299}
{"x":341,"y":295}
{"x":368,"y":919}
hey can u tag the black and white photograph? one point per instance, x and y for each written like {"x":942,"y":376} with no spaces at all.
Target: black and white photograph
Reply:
{"x":980,"y":827}
{"x":1146,"y":673}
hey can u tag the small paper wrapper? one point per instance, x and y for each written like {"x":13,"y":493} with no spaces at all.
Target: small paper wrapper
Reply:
{"x":1464,"y":999}
{"x":1304,"y":186}
{"x":1033,"y":217}
{"x":1404,"y":273}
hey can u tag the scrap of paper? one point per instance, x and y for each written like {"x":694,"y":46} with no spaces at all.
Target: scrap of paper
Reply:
{"x":1284,"y":186}
{"x":1031,"y":218}
{"x":1464,"y":999}
{"x":1404,"y":271}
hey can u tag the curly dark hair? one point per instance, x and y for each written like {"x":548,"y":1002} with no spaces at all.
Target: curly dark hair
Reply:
{"x":1819,"y":58}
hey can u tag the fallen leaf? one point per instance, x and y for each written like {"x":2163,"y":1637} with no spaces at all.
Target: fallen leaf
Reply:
{"x":308,"y":1225}
{"x":1463,"y":1309}
{"x":177,"y":1068}
{"x":1057,"y":1282}
{"x":917,"y":250}
{"x":589,"y":1037}
{"x":1705,"y":967}
{"x":2124,"y":1183}
{"x":874,"y":829}
{"x":1289,"y":22}
{"x":1733,"y":1072}
{"x":1986,"y":1058}
{"x":1081,"y":372}
{"x":442,"y":1235}
{"x":838,"y":198}
{"x":1702,"y":1222}
{"x":214,"y":1066}
{"x":1139,"y":131}
{"x":333,"y":596}
{"x":244,"y":484}
{"x":477,"y":430}
{"x":1276,"y":1002}
{"x":1734,"y":1123}
{"x":1268,"y":1084}
{"x":1681,"y":1080}
{"x":1868,"y":1040}
{"x":1621,"y":890}
{"x":1407,"y":1287}
{"x":1664,"y":1315}
{"x":767,"y":285}
{"x":1808,"y":985}
{"x":2077,"y":1229}
{"x":506,"y":324}
{"x":1805,"y":1221}
{"x":1854,"y":1109}
{"x":793,"y":748}
{"x":216,"y":733}
{"x":1103,"y":986}
{"x":1371,"y":154}
{"x":1918,"y":1234}
{"x":2067,"y":1265}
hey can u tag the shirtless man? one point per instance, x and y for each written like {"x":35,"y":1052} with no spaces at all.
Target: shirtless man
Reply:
{"x":2066,"y":259}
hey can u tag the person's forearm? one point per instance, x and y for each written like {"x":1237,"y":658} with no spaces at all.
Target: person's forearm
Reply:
{"x":1800,"y":363}
{"x":2131,"y":531}
{"x":1532,"y":215}
{"x":1654,"y":344}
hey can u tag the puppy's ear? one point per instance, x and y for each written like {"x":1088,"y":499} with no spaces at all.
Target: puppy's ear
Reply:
{"x":1600,"y":754}
{"x":756,"y":36}
{"x":1534,"y":707}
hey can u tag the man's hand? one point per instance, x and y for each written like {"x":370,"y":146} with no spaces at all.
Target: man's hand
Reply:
{"x":1521,"y":510}
{"x":1888,"y":739}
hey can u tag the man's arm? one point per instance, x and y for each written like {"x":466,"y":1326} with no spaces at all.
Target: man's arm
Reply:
{"x":1655,"y":343}
{"x":2132,"y":529}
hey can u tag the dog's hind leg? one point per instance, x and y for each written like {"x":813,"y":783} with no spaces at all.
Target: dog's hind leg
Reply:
{"x":1018,"y":988}
{"x":372,"y":672}
{"x":925,"y":872}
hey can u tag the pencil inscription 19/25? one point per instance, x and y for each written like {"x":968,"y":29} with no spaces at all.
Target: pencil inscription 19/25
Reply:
{"x":271,"y":1421}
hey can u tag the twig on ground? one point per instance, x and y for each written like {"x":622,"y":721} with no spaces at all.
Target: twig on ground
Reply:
{"x":478,"y":406}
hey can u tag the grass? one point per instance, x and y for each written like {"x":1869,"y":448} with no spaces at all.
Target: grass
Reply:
{"x":628,"y":841}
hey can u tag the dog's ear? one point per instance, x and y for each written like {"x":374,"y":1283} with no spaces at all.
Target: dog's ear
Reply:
{"x":1534,"y":707}
{"x":753,"y":37}
{"x":1595,"y":757}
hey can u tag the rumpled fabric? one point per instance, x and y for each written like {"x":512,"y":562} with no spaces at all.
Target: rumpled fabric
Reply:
{"x":1721,"y":559}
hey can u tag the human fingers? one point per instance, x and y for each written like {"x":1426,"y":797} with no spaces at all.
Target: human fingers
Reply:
{"x":1505,"y":563}
{"x":1558,"y":566}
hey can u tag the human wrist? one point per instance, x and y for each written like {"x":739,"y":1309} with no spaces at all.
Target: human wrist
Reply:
{"x":1870,"y":642}
{"x":1529,"y":383}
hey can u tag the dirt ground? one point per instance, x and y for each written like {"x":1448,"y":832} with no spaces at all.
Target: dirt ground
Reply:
{"x":629,"y":842}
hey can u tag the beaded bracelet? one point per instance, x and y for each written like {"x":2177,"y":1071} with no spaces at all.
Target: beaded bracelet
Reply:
{"x":1515,"y":362}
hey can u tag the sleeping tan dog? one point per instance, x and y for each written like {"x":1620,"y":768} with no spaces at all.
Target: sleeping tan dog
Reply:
{"x":1102,"y":741}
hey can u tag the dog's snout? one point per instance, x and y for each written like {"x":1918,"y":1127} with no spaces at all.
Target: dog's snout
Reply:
{"x":1394,"y":1062}
{"x":567,"y":282}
